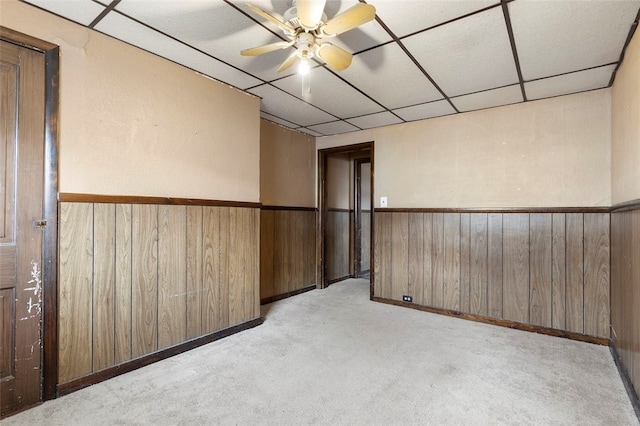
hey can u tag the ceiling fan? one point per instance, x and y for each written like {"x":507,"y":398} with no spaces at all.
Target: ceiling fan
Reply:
{"x":306,"y":26}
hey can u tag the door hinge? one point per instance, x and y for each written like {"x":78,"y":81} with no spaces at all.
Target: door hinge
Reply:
{"x":39,"y":224}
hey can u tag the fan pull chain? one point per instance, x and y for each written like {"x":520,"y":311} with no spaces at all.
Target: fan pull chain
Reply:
{"x":306,"y":84}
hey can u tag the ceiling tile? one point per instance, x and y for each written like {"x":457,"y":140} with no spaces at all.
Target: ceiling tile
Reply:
{"x":275,"y":7}
{"x":489,"y":99}
{"x":192,"y":19}
{"x":334,"y":128}
{"x":558,"y":37}
{"x":564,"y":47}
{"x":281,"y":104}
{"x":595,"y":78}
{"x":83,"y":12}
{"x":468,"y":55}
{"x":390,"y":77}
{"x":424,"y":14}
{"x":216,"y":28}
{"x":423,"y":111}
{"x":123,"y":28}
{"x":278,"y":120}
{"x":375,"y":120}
{"x":330,"y":93}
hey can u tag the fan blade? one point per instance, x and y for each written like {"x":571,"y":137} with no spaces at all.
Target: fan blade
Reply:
{"x":310,"y":12}
{"x":289,"y":61}
{"x":271,"y":18}
{"x":266,"y":49}
{"x":349,"y":19}
{"x":336,"y":57}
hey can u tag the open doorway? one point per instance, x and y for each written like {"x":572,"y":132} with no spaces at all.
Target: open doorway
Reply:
{"x":345,"y":194}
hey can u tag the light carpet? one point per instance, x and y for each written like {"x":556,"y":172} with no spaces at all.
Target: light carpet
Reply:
{"x":334,"y":357}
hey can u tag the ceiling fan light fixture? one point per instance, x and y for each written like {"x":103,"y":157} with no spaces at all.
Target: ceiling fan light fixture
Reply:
{"x":303,"y":66}
{"x":305,"y":43}
{"x":305,"y":25}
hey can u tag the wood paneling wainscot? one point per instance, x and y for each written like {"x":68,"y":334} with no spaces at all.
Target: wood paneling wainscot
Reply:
{"x":287,"y":251}
{"x":338,"y":248}
{"x":138,"y":276}
{"x":625,"y":292}
{"x":539,"y":268}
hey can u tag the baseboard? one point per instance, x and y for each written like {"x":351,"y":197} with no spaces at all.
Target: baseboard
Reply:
{"x":335,"y":280}
{"x":111,"y":372}
{"x":272,"y":299}
{"x":20,"y":410}
{"x":500,"y":322}
{"x":626,"y":379}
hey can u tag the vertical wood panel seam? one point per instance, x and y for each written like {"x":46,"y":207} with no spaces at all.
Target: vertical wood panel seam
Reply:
{"x":157,"y":237}
{"x":584,"y":322}
{"x":219,"y":272}
{"x":460,"y":262}
{"x":202,"y":269}
{"x":424,"y":248}
{"x":529,"y":257}
{"x":408,"y":250}
{"x":469,"y":262}
{"x":529,"y":271}
{"x":551,"y":268}
{"x":468,"y":258}
{"x":115,"y":277}
{"x":93,"y":274}
{"x":130,"y":209}
{"x":408,"y":283}
{"x":468,"y":266}
{"x":486,"y":286}
{"x":115,"y":281}
{"x":502,"y":265}
{"x":610,"y":269}
{"x":186,"y":267}
{"x":566,"y":268}
{"x":443,"y":262}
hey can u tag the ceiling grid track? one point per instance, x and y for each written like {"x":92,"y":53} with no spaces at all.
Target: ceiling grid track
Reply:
{"x":104,"y":13}
{"x":512,"y":40}
{"x":632,"y":30}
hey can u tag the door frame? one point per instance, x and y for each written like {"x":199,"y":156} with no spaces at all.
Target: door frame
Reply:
{"x":321,"y":276}
{"x":50,"y":206}
{"x":357,"y":215}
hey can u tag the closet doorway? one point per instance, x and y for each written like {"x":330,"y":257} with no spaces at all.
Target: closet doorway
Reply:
{"x":345,"y":194}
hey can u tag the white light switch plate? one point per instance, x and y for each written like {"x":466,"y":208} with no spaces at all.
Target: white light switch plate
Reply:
{"x":383,"y":201}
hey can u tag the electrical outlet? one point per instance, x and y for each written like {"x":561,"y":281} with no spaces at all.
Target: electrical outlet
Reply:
{"x":406,"y":298}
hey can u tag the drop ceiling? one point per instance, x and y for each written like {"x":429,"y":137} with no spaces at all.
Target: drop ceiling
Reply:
{"x":419,"y":59}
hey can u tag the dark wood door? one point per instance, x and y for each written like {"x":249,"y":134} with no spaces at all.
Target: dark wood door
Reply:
{"x":21,"y":210}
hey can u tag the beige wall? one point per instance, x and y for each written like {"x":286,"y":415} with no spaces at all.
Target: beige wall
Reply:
{"x":625,"y":127}
{"x":338,"y":181}
{"x":287,"y":167}
{"x":547,"y":153}
{"x":132,"y":123}
{"x":365,"y":186}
